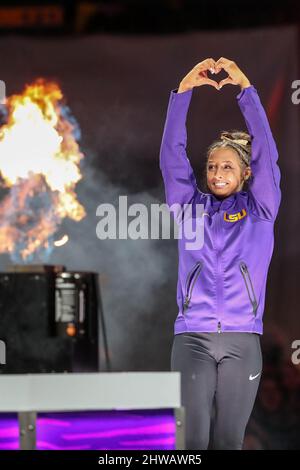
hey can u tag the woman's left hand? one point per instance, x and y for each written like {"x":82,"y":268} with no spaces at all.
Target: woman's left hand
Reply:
{"x":235,"y":75}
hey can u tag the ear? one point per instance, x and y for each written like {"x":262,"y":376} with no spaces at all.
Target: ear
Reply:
{"x":247,"y":173}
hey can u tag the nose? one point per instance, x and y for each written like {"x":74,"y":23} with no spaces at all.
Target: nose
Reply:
{"x":218,"y":172}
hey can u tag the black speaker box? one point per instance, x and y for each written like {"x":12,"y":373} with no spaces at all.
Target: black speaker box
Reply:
{"x":49,"y":321}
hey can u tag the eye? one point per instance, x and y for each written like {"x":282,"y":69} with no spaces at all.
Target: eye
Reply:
{"x":228,"y":166}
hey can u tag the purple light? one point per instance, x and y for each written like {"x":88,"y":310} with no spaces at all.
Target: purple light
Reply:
{"x":107,"y":430}
{"x":9,"y":431}
{"x":99,"y":430}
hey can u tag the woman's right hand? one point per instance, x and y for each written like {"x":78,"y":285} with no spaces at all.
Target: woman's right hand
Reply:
{"x":198,"y":76}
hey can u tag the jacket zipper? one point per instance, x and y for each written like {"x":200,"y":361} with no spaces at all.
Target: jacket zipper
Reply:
{"x":219,"y":280}
{"x":249,"y":285}
{"x":190,"y":283}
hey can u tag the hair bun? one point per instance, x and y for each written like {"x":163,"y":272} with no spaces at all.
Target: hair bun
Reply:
{"x":241,"y":141}
{"x":234,"y":137}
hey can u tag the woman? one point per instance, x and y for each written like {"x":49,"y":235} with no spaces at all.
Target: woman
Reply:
{"x":221,"y":286}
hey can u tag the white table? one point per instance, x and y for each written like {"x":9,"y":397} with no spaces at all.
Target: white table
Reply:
{"x":28,"y":394}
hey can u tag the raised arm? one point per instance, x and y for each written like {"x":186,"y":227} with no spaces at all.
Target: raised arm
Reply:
{"x":179,"y":179}
{"x":264,"y":188}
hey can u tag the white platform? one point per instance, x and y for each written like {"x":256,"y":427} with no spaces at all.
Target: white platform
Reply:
{"x":89,"y":391}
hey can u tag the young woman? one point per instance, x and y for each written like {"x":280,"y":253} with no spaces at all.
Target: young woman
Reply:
{"x":221,"y":287}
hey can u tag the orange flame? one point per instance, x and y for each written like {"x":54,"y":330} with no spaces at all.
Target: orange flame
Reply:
{"x":39,"y":163}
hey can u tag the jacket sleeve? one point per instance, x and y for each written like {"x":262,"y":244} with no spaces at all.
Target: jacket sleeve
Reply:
{"x":264,"y":189}
{"x":179,"y":180}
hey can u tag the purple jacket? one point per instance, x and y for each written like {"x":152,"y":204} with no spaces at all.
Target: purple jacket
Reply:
{"x":222,"y":286}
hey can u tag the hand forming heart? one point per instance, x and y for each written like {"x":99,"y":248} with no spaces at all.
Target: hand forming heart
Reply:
{"x":198,"y":75}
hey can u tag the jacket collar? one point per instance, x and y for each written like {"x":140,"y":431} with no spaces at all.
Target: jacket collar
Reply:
{"x":225,"y":203}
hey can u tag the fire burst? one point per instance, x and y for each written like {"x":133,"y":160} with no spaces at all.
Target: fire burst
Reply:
{"x":39,"y":164}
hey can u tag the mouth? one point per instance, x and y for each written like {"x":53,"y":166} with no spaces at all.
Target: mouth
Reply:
{"x":220,"y":185}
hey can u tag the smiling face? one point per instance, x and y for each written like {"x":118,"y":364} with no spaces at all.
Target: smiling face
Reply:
{"x":225,"y":172}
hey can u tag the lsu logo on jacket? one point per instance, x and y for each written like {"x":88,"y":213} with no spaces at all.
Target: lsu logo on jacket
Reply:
{"x":235,"y":217}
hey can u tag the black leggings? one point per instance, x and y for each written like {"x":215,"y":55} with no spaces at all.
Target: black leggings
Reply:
{"x":220,"y":374}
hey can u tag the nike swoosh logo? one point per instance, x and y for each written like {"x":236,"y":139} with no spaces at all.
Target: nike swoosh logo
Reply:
{"x":252,"y":377}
